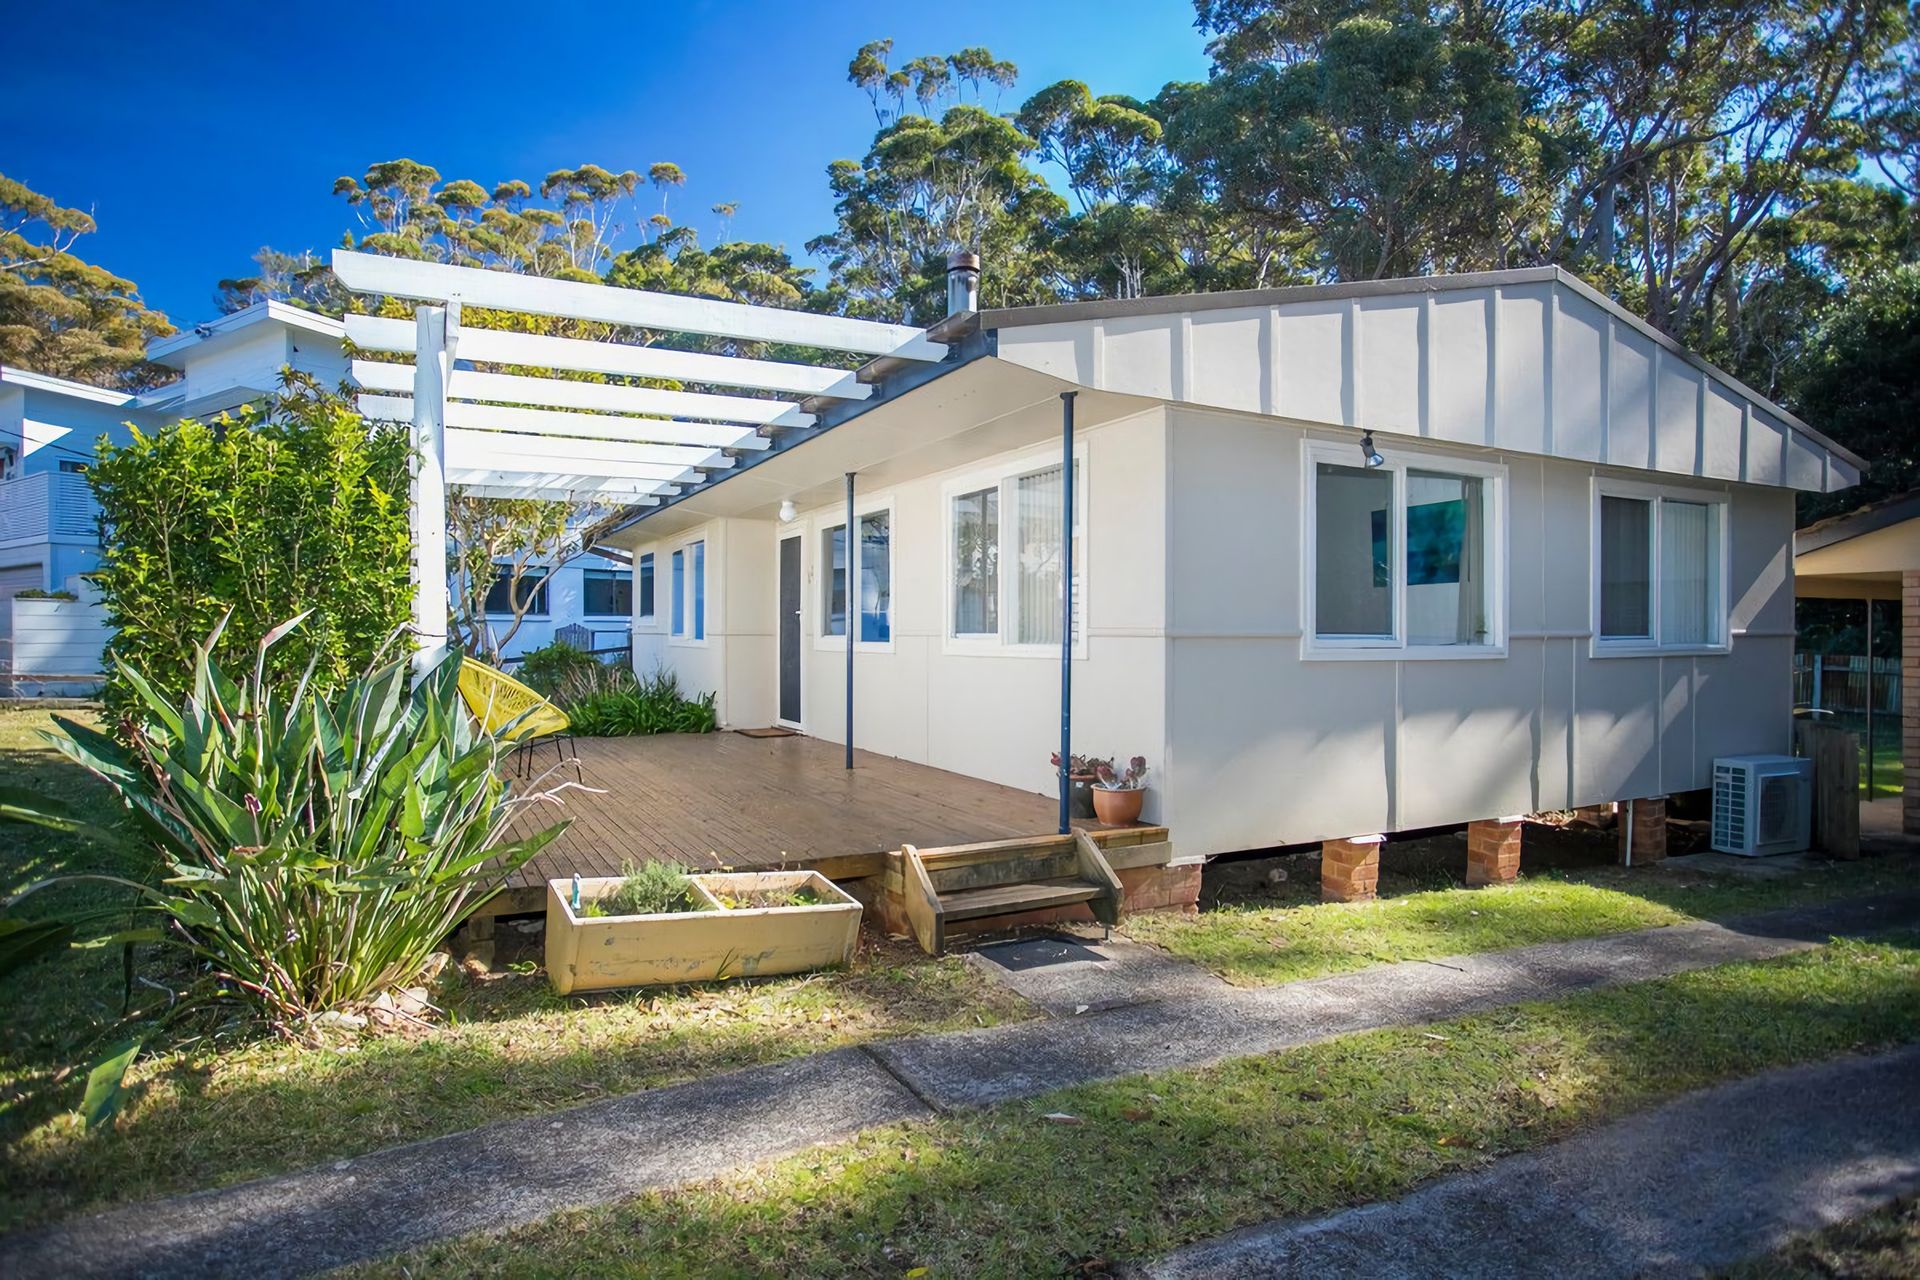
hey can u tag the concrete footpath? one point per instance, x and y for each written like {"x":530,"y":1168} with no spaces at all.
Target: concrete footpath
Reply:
{"x":519,"y":1171}
{"x":1703,"y":1182}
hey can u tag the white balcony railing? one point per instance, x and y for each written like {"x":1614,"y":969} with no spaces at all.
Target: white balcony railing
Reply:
{"x":47,"y":504}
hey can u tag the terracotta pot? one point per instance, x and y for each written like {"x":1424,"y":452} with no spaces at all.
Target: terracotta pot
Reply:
{"x":1118,"y":808}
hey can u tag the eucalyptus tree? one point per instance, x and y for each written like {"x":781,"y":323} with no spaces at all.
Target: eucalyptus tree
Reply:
{"x":929,"y":186}
{"x":1390,"y":139}
{"x":1695,"y":128}
{"x":60,"y":314}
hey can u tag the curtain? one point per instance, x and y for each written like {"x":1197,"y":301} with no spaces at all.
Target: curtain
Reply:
{"x":1687,"y":573}
{"x":1038,"y":510}
{"x":1626,"y":548}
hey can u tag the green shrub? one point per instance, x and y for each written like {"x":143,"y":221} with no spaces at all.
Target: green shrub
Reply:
{"x":549,"y":668}
{"x":317,"y":845}
{"x":652,"y":888}
{"x":613,"y":703}
{"x":290,"y":506}
{"x":35,"y":593}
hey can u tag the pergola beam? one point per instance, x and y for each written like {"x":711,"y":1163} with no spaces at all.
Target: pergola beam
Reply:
{"x":561,"y":424}
{"x":472,"y":448}
{"x":634,"y":308}
{"x":598,"y":396}
{"x":622,"y":359}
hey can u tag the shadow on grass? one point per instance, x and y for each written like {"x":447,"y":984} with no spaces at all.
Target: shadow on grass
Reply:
{"x":508,"y":1047}
{"x":1155,"y":1162}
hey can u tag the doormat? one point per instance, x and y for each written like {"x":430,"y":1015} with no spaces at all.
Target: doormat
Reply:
{"x":771,"y":731}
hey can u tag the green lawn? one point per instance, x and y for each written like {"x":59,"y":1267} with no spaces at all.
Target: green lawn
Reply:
{"x":1889,"y":772}
{"x":1253,"y":943}
{"x":216,"y":1104}
{"x":1154,"y":1162}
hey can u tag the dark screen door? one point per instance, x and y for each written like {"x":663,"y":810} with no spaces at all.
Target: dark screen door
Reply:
{"x":790,"y":630}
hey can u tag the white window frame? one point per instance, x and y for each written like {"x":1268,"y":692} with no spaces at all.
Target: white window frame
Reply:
{"x":1003,"y":475}
{"x":648,"y":622}
{"x":818,"y":570}
{"x":1718,"y":501}
{"x":687,"y":639}
{"x":1400,"y":460}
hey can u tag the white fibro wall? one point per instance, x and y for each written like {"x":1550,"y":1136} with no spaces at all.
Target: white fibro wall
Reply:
{"x":1289,"y":729}
{"x":951,"y":676}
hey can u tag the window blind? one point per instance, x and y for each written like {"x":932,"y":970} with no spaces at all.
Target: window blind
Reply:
{"x":1686,"y":573}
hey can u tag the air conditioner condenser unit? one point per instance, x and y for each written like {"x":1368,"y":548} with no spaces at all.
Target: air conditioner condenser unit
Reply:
{"x":1762,"y":805}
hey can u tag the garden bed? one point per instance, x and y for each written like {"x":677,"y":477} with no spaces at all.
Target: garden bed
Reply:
{"x":808,"y":923}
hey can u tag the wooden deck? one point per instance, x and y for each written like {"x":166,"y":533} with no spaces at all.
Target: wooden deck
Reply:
{"x":723,"y":800}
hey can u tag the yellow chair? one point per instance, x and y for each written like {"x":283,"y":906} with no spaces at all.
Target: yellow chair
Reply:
{"x":507,"y":708}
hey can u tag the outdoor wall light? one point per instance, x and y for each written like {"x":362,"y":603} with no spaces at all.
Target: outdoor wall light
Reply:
{"x":786,"y":511}
{"x":1369,"y":453}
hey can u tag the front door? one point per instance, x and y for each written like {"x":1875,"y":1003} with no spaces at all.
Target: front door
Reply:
{"x":790,"y":630}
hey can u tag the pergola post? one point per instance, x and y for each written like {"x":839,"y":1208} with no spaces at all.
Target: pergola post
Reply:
{"x":432,"y":370}
{"x":847,"y":607}
{"x":1066,"y":610}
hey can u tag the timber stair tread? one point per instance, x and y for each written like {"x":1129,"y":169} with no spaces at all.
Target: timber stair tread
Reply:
{"x":1009,"y":899}
{"x":1004,"y":878}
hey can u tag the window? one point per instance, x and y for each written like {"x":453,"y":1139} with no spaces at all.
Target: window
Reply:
{"x":1402,"y":558}
{"x":1040,"y":557}
{"x":976,"y":563}
{"x":872,"y":574}
{"x":876,"y":577}
{"x":533,"y":586}
{"x":1658,"y":570}
{"x":644,"y":580}
{"x":73,"y":467}
{"x":833,"y":581}
{"x":1007,"y":571}
{"x":679,"y":593}
{"x":698,"y":552}
{"x":606,"y":592}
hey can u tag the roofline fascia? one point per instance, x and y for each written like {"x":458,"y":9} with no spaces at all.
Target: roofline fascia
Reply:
{"x":233,"y":322}
{"x":15,"y":376}
{"x":1857,"y":524}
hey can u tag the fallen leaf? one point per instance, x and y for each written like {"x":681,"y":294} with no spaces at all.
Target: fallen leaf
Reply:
{"x":1061,"y":1117}
{"x":1136,"y":1114}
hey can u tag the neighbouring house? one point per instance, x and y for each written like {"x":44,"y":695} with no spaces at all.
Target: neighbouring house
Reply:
{"x":1870,"y":554}
{"x":49,"y":522}
{"x":1557,"y":573}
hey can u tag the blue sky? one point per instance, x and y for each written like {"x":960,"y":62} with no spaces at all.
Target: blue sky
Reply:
{"x":197,"y":133}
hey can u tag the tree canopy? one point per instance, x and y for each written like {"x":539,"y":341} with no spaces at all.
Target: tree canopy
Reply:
{"x":60,"y":314}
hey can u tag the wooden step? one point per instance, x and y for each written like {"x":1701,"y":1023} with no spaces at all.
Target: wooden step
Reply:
{"x":1012,"y":899}
{"x":1004,"y":878}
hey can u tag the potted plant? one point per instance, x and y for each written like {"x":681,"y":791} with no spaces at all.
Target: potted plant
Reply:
{"x":1081,"y":773}
{"x":1118,"y":794}
{"x":657,"y":924}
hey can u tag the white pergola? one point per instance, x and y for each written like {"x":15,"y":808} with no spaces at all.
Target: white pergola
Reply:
{"x":543,"y":434}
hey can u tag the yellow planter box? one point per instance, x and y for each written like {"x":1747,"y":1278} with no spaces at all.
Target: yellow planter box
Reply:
{"x":595,"y":953}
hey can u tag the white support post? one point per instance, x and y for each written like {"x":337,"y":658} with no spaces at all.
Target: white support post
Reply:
{"x":432,"y":368}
